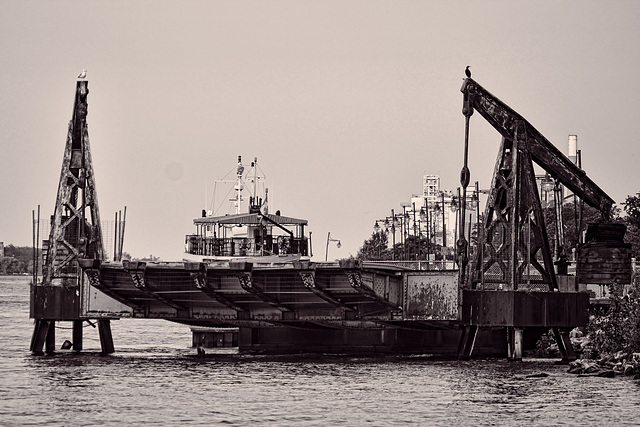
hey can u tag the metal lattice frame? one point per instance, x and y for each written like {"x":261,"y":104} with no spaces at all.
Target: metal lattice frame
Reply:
{"x":516,"y":251}
{"x":74,"y":234}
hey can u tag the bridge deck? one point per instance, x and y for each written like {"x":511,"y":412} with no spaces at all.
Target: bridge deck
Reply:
{"x":305,"y":294}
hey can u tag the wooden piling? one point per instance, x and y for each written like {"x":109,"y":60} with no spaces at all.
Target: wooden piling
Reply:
{"x":77,"y":335}
{"x":106,"y":339}
{"x":50,"y":342}
{"x":40,"y":329}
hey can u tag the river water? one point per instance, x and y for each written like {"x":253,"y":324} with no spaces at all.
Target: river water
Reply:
{"x":155,"y":378}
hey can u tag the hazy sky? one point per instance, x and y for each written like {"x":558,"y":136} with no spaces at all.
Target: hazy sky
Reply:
{"x":346,"y":104}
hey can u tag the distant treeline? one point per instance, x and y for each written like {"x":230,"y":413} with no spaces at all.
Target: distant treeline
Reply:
{"x":17,"y":260}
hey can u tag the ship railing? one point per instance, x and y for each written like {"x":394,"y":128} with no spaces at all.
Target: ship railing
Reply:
{"x":239,"y":246}
{"x":420,"y":264}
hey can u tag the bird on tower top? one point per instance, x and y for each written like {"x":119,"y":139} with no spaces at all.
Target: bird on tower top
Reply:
{"x":467,"y":71}
{"x":82,"y":75}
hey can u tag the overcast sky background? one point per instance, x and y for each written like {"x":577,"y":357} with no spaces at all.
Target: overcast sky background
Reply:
{"x":346,"y":104}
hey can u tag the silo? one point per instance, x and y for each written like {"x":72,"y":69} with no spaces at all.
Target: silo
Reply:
{"x":573,"y":148}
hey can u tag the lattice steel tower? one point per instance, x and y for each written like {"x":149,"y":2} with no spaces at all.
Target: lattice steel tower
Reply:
{"x":75,"y":234}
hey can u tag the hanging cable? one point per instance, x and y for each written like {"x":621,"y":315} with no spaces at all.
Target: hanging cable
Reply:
{"x":462,"y":245}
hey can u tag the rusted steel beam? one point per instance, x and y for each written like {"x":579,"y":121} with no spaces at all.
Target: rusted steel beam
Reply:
{"x":76,"y":335}
{"x":50,"y":346}
{"x":525,"y":309}
{"x":137,"y":272}
{"x":543,"y":152}
{"x":72,"y":235}
{"x":309,"y":282}
{"x":91,"y":267}
{"x":246,"y":281}
{"x":198,"y":272}
{"x":536,"y":226}
{"x":355,"y":280}
{"x":467,"y":341}
{"x":514,"y":343}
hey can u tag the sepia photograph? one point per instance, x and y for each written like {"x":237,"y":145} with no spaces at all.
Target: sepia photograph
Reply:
{"x":319,"y":213}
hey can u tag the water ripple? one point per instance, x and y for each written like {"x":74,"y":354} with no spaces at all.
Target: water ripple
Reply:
{"x":155,"y":379}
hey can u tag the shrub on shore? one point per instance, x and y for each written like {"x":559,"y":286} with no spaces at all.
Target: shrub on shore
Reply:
{"x":616,"y":328}
{"x":613,"y":332}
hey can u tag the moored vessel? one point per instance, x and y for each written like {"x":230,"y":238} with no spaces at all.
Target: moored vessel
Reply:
{"x":247,"y":234}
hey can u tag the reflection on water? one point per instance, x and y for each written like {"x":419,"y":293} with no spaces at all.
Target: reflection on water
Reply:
{"x":154,"y":378}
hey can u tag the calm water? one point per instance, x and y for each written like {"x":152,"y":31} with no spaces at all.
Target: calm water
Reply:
{"x":154,"y":378}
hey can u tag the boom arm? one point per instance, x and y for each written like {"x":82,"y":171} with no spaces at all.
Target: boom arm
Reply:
{"x":543,"y":152}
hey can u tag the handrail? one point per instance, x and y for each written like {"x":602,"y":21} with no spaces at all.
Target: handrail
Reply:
{"x":241,"y":246}
{"x":423,"y":265}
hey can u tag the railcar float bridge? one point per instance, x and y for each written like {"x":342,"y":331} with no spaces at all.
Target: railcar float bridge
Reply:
{"x":511,"y":283}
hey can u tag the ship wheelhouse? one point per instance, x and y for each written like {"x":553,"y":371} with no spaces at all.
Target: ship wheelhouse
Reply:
{"x":247,"y":235}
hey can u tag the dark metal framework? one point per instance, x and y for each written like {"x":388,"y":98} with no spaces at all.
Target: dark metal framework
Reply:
{"x":76,"y":235}
{"x":516,"y":252}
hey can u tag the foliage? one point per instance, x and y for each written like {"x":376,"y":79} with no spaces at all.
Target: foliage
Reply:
{"x":632,"y":220}
{"x":375,"y":248}
{"x":617,"y":327}
{"x":417,"y":248}
{"x":22,"y":253}
{"x":546,"y":346}
{"x":633,"y":236}
{"x":10,"y":265}
{"x":413,"y":248}
{"x":17,"y":260}
{"x":575,"y":218}
{"x":632,"y":208}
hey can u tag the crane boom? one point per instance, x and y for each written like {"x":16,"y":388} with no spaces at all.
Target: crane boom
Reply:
{"x":513,"y":252}
{"x":543,"y":152}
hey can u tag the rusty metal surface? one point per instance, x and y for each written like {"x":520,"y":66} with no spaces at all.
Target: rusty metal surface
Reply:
{"x":301,"y":295}
{"x":54,"y":302}
{"x":75,"y":228}
{"x":544,"y":153}
{"x":429,"y":299}
{"x":74,"y":232}
{"x":525,"y":309}
{"x":432,"y":295}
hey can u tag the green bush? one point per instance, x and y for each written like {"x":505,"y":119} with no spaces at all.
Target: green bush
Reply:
{"x":617,"y":327}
